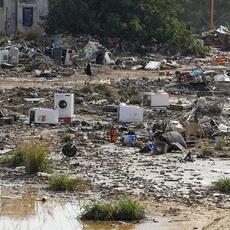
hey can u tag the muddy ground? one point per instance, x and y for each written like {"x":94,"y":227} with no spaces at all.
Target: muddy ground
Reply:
{"x":166,"y":185}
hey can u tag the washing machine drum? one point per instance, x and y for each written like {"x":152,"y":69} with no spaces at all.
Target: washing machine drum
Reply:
{"x":62,"y":104}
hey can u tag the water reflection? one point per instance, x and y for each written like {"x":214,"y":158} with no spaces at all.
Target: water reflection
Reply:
{"x":25,"y":213}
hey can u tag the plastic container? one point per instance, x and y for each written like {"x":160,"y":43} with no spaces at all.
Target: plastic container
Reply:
{"x":129,"y":139}
{"x":150,"y":147}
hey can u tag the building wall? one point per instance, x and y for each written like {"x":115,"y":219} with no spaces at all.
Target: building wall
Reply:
{"x":11,"y":14}
{"x":10,"y":7}
{"x":21,"y":27}
{"x":2,"y":21}
{"x":40,"y":9}
{"x":43,"y":7}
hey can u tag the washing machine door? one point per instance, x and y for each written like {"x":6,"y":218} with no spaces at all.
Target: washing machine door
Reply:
{"x":62,"y":104}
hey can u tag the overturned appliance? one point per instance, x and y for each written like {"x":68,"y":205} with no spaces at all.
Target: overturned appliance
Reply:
{"x":130,"y":113}
{"x":159,"y":99}
{"x":43,"y":116}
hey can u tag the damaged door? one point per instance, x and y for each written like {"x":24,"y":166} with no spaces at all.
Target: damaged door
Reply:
{"x":28,"y":16}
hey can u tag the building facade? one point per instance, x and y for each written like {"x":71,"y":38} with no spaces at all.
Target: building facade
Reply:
{"x":21,"y":15}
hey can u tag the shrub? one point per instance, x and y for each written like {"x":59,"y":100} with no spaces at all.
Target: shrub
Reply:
{"x":13,"y":160}
{"x":207,"y":150}
{"x":125,"y":210}
{"x":99,"y":212}
{"x":35,"y":34}
{"x":64,"y":183}
{"x":129,"y":210}
{"x":222,"y":143}
{"x":34,"y":156}
{"x":222,"y":185}
{"x":66,"y":138}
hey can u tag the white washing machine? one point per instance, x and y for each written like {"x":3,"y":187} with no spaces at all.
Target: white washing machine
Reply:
{"x":64,"y":102}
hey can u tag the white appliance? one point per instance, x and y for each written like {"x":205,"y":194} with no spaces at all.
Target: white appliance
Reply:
{"x":14,"y":55}
{"x":68,"y":57}
{"x":130,"y":113}
{"x":160,"y":99}
{"x":43,"y":116}
{"x":4,"y":56}
{"x":64,"y":102}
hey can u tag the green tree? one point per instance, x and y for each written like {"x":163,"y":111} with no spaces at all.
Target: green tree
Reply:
{"x":137,"y":21}
{"x":197,"y":13}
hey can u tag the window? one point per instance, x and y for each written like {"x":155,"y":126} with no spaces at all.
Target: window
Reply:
{"x":1,"y":3}
{"x":27,"y":16}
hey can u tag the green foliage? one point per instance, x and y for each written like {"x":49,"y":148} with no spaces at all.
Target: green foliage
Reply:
{"x":197,"y":13}
{"x":13,"y":160}
{"x":222,"y":143}
{"x":137,"y":21}
{"x":129,"y":210}
{"x":125,"y":210}
{"x":99,"y":212}
{"x":34,"y":156}
{"x":222,"y":185}
{"x":64,"y":183}
{"x":66,"y":138}
{"x":207,"y":150}
{"x":35,"y":34}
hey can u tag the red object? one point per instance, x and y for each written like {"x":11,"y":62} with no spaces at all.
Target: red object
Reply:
{"x":67,"y":120}
{"x":168,"y":73}
{"x":113,"y":134}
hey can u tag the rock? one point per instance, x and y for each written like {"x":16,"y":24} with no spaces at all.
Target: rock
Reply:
{"x":44,"y":175}
{"x":21,"y":169}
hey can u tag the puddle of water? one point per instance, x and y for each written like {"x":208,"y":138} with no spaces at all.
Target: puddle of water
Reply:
{"x":25,"y":213}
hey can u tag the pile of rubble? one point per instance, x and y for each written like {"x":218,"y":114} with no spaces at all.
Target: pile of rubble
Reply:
{"x":153,"y":124}
{"x":219,"y":38}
